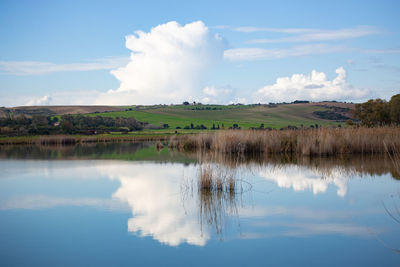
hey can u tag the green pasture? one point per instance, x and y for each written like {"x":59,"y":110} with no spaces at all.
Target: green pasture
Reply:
{"x":245,"y":116}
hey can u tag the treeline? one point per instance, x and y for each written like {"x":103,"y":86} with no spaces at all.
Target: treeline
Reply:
{"x":378,"y":112}
{"x":22,"y":125}
{"x":201,"y":127}
{"x":68,"y":124}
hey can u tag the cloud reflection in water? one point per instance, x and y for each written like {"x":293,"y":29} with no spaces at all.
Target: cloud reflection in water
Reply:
{"x":153,"y":193}
{"x":301,"y":178}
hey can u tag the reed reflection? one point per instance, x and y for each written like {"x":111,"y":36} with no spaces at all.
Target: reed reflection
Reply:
{"x":220,"y":193}
{"x":178,"y":203}
{"x":308,"y":173}
{"x":316,"y":174}
{"x":372,"y":164}
{"x":221,"y":189}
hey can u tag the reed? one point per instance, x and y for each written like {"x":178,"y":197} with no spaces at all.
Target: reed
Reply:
{"x":395,"y":158}
{"x":159,"y":146}
{"x":56,"y":140}
{"x":216,"y":178}
{"x":77,"y":139}
{"x":218,"y":191}
{"x":305,"y":142}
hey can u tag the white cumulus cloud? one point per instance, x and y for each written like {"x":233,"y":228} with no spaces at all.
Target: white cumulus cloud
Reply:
{"x":43,"y":101}
{"x":315,"y":86}
{"x":217,"y":95}
{"x":167,"y":65}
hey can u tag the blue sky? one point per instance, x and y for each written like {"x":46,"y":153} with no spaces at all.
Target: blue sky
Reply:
{"x":75,"y":52}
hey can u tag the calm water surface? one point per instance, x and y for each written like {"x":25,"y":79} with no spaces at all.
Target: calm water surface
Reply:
{"x":130,"y":205}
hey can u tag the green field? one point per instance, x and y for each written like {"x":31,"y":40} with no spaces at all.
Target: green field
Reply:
{"x":245,"y":116}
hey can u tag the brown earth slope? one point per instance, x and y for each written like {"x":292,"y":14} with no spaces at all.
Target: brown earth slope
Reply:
{"x":60,"y":110}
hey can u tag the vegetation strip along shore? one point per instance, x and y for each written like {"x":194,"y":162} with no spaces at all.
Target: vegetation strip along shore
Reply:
{"x":307,"y":142}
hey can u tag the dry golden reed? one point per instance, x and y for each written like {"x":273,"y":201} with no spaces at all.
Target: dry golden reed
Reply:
{"x":76,"y":139}
{"x":306,"y":142}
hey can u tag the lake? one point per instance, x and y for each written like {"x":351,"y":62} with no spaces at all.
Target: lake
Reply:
{"x":129,"y":204}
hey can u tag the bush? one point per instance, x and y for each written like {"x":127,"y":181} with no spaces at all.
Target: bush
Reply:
{"x":69,"y":124}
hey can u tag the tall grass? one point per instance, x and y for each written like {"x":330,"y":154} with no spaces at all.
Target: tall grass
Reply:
{"x":307,"y":142}
{"x":215,"y":178}
{"x":77,"y":139}
{"x":219,"y":192}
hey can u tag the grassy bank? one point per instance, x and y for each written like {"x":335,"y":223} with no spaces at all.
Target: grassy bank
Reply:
{"x":80,"y":139}
{"x":307,"y":142}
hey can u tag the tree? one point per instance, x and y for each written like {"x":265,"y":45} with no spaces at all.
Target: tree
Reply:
{"x":67,"y":127}
{"x":373,"y":113}
{"x":40,"y":125}
{"x":394,"y":106}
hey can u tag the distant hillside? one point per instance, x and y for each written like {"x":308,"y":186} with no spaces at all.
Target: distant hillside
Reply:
{"x":245,"y":116}
{"x":57,"y":110}
{"x":337,"y":111}
{"x":192,"y":115}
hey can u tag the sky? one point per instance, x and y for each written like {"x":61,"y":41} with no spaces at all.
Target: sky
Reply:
{"x":215,"y":52}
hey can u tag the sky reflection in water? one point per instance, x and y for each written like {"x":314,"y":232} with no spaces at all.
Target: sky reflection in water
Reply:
{"x":163,"y":202}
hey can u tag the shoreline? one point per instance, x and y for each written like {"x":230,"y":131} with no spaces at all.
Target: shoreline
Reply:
{"x":305,"y":142}
{"x":308,"y":142}
{"x":78,"y":139}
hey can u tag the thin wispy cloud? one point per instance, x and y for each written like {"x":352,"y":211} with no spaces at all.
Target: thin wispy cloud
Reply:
{"x":315,"y":35}
{"x":257,"y":53}
{"x":382,"y":51}
{"x":81,"y":96}
{"x":312,"y":229}
{"x":305,"y":34}
{"x":39,"y":68}
{"x":35,"y":202}
{"x":249,"y":54}
{"x":249,"y":29}
{"x":67,"y":97}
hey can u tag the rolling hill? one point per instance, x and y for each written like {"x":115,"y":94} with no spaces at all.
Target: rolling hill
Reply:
{"x":245,"y":116}
{"x":181,"y":116}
